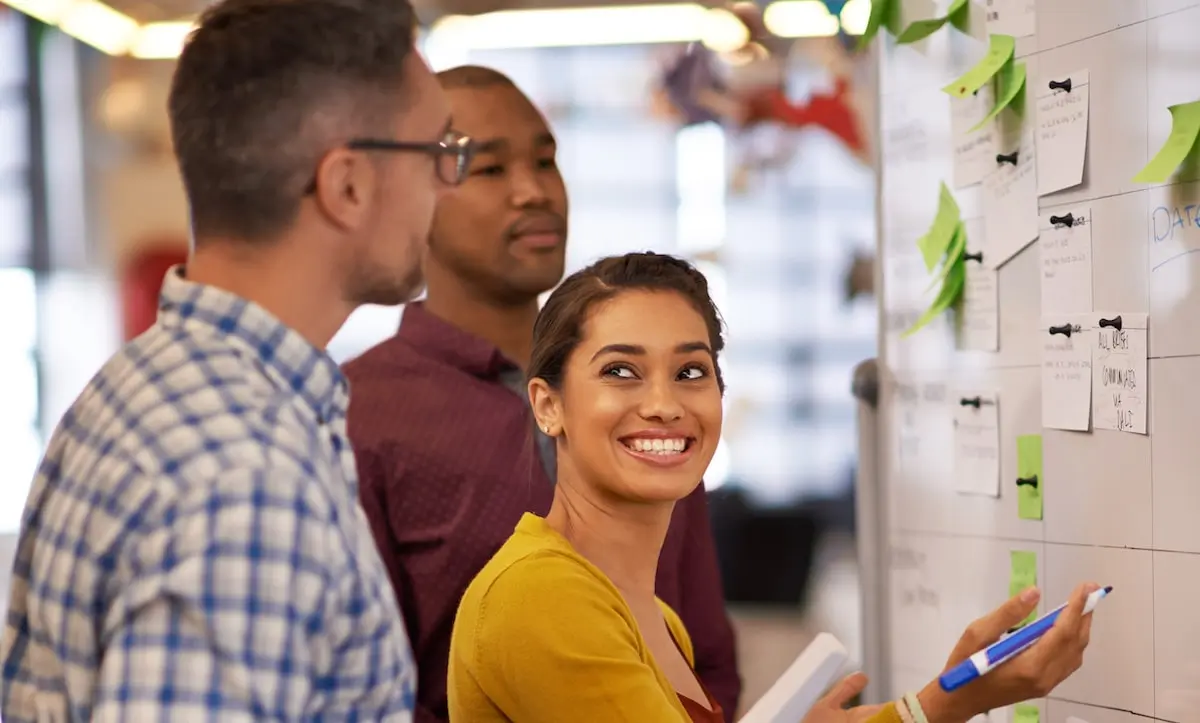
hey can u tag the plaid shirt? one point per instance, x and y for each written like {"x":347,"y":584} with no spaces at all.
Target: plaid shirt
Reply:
{"x":193,"y":548}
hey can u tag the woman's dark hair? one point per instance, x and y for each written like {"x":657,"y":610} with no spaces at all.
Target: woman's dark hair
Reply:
{"x":559,"y":326}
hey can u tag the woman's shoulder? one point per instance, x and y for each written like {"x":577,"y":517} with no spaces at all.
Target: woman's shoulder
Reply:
{"x":535,"y":570}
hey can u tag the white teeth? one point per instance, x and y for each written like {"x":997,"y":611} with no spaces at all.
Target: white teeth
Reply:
{"x":657,"y":445}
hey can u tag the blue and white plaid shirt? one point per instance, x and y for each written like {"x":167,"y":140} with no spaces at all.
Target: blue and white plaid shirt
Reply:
{"x":193,"y":548}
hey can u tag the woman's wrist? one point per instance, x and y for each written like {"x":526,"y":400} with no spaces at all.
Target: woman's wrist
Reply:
{"x":941,"y":707}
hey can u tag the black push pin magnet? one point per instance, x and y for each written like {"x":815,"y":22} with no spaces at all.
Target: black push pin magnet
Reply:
{"x":1007,"y":158}
{"x":1067,"y":220}
{"x":977,"y":256}
{"x":1065,"y":330}
{"x":970,"y":402}
{"x":1028,"y":481}
{"x":1061,"y":85}
{"x":1113,"y":323}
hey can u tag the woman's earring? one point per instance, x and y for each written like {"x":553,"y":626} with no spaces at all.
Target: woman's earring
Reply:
{"x":546,"y":430}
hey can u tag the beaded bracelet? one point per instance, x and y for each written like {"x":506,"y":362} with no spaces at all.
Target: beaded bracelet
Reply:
{"x":902,"y":709}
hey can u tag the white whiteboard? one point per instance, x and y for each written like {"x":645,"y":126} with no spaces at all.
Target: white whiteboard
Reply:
{"x":1120,"y":508}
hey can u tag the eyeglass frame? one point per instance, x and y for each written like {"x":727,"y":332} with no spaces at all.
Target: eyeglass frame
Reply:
{"x":453,"y":144}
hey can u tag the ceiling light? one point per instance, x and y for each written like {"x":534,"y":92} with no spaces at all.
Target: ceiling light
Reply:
{"x":48,"y":11}
{"x":99,"y":26}
{"x":613,"y":25}
{"x":855,"y":15}
{"x":161,"y":40}
{"x":800,"y":19}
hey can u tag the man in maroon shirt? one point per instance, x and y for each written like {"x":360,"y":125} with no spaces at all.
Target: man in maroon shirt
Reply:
{"x":448,"y":455}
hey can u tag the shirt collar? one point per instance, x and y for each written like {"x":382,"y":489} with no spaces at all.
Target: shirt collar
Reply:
{"x":287,"y":357}
{"x":435,"y":338}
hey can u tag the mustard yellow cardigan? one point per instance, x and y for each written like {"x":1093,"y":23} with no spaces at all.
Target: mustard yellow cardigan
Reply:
{"x":543,"y":636}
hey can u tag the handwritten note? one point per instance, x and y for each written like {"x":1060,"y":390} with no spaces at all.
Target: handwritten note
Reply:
{"x":1010,"y":206}
{"x":1185,"y":127}
{"x":974,"y":151}
{"x":1025,"y":713}
{"x":1022,"y":575}
{"x":1176,"y":228}
{"x":914,"y":589}
{"x":980,"y":320}
{"x":1062,"y":130}
{"x":1013,"y":17}
{"x":1029,"y":477}
{"x":977,"y":442}
{"x":1065,"y":243}
{"x":1000,"y":52}
{"x":919,"y":406}
{"x":1119,"y":390}
{"x":1067,"y":372}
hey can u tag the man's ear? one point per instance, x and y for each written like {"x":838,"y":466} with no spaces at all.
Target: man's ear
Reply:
{"x":346,"y":181}
{"x":547,"y":407}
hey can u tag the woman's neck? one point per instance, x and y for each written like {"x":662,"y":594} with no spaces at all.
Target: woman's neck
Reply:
{"x":623,"y":539}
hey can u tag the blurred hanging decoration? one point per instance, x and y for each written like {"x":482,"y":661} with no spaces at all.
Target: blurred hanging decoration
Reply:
{"x":744,"y":87}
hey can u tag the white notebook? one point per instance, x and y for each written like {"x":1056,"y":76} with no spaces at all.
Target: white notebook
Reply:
{"x":802,"y":684}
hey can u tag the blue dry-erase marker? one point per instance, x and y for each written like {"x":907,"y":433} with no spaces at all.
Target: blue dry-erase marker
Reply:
{"x":1000,"y":651}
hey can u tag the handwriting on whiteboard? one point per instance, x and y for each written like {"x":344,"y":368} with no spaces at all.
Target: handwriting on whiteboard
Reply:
{"x":1176,"y":232}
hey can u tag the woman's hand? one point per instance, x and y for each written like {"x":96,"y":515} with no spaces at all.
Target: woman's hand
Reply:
{"x":830,"y":709}
{"x":1031,"y":674}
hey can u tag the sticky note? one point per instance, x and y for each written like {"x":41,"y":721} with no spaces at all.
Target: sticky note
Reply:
{"x":1185,"y":126}
{"x":954,"y":253}
{"x":921,"y":29}
{"x":1010,"y":84}
{"x":1029,"y":469}
{"x":1023,"y":576}
{"x":1000,"y":52}
{"x":952,"y":287}
{"x":941,"y":232}
{"x":883,"y":14}
{"x":1025,"y":713}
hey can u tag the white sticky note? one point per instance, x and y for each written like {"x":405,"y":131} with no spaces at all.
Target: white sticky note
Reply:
{"x":974,"y":152}
{"x":1010,"y":205}
{"x":1119,"y":388}
{"x":1067,"y":372}
{"x":1065,"y":246}
{"x":1017,"y":18}
{"x":1062,"y":131}
{"x":977,"y":442}
{"x":980,"y":330}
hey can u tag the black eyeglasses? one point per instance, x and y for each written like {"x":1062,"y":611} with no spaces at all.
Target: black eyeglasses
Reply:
{"x":452,"y":155}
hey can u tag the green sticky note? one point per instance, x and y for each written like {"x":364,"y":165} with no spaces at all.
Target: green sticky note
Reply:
{"x":1025,"y":713}
{"x":882,"y":13}
{"x":921,"y":29}
{"x":1029,"y":477}
{"x":1000,"y":52}
{"x":959,"y":14}
{"x":941,"y":232}
{"x":1185,"y":126}
{"x":952,"y":287}
{"x":1023,"y":576}
{"x":1010,"y":83}
{"x":954,"y":253}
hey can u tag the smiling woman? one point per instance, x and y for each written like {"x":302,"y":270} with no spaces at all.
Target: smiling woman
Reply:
{"x":563,"y":623}
{"x":624,"y":376}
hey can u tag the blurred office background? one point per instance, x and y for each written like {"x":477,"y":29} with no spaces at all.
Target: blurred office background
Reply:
{"x":91,"y":210}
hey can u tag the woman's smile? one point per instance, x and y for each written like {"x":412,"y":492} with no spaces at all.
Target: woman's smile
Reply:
{"x":660,"y":448}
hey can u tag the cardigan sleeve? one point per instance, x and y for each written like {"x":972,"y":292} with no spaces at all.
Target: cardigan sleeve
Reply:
{"x":550,"y":641}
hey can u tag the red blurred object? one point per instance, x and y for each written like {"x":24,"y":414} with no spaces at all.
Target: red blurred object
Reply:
{"x":141,"y":281}
{"x":831,"y":111}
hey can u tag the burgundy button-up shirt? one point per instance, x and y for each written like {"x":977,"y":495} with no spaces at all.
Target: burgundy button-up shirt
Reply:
{"x":448,"y":463}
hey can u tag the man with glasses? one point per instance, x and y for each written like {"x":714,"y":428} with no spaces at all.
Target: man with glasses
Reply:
{"x":445,"y":481}
{"x":193,"y":547}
